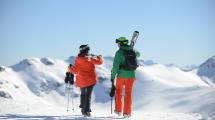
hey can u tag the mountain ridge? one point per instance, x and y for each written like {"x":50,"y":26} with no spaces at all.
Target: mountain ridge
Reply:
{"x":163,"y":88}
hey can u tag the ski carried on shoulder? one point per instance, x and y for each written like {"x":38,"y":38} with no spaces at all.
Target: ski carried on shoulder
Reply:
{"x":134,"y":38}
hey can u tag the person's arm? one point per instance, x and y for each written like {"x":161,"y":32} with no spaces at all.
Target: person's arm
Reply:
{"x":73,"y":69}
{"x":116,"y":64}
{"x":97,"y":61}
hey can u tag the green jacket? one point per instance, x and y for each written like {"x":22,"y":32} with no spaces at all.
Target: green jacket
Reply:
{"x":120,"y":59}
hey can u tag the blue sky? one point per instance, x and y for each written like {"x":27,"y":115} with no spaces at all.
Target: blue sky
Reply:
{"x":171,"y":31}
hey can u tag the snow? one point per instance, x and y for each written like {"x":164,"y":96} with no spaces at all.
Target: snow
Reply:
{"x":142,"y":116}
{"x":172,"y":76}
{"x":35,"y":89}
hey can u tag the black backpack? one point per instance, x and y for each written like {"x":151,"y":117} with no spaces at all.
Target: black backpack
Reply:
{"x":130,"y":60}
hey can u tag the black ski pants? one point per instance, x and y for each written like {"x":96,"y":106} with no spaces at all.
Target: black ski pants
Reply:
{"x":85,"y":98}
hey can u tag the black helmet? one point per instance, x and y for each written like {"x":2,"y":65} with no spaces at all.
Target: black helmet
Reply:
{"x":84,"y":48}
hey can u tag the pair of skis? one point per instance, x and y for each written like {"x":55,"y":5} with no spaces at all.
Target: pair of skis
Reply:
{"x":134,"y":38}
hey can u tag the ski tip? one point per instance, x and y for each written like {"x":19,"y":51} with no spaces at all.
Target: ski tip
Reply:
{"x":136,"y":31}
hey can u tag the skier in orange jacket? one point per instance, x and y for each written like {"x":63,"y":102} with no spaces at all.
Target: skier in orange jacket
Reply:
{"x":84,"y":68}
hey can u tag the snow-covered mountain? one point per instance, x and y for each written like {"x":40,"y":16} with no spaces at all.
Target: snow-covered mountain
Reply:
{"x":35,"y":87}
{"x":207,"y":69}
{"x":189,"y":67}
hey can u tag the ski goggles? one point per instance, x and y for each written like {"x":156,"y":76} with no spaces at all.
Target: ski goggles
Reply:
{"x":120,"y":41}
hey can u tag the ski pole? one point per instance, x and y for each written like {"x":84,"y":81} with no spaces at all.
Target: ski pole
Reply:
{"x":68,"y":98}
{"x":111,"y":105}
{"x":72,"y":99}
{"x":112,"y":95}
{"x":74,"y":77}
{"x":66,"y":93}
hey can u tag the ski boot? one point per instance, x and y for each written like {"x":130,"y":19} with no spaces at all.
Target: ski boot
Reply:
{"x":126,"y":115}
{"x":118,"y":113}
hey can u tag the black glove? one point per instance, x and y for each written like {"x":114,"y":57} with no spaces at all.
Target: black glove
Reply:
{"x":112,"y":92}
{"x":69,"y":78}
{"x":66,"y":80}
{"x":71,"y":82}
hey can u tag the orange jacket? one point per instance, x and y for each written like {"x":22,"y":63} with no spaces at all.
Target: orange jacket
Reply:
{"x":84,"y":68}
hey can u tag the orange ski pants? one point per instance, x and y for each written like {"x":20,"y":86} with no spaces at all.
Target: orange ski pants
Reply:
{"x":128,"y":84}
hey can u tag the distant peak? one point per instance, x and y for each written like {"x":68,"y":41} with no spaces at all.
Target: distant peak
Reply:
{"x":212,"y":58}
{"x":209,"y":62}
{"x":29,"y":61}
{"x":188,"y":68}
{"x":109,"y":57}
{"x":71,"y":57}
{"x":149,"y":62}
{"x":25,"y":63}
{"x":207,"y":68}
{"x":171,"y":65}
{"x":47,"y":61}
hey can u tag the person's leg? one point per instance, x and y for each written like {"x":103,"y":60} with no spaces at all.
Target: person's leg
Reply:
{"x":118,"y":99}
{"x":87,"y":106}
{"x":128,"y":96}
{"x":82,"y":98}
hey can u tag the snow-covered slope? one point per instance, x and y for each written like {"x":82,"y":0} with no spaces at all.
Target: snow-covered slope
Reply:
{"x":170,"y":89}
{"x":35,"y":87}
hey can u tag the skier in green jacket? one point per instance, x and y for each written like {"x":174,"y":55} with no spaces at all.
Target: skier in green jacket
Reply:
{"x":124,"y":67}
